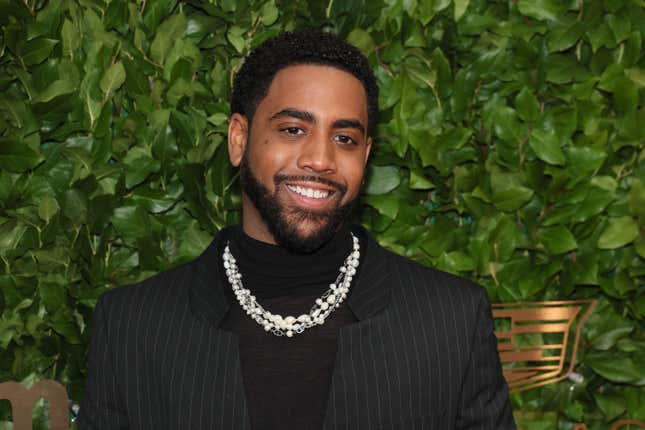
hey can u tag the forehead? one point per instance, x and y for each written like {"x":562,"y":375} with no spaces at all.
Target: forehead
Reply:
{"x":324,"y":91}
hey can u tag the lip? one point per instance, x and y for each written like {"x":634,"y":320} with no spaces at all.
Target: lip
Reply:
{"x":310,"y":202}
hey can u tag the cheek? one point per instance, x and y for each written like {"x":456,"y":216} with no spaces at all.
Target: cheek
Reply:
{"x":353,"y":176}
{"x":265,"y":162}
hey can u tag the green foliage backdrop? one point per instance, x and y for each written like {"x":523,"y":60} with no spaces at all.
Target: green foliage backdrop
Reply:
{"x":510,"y":151}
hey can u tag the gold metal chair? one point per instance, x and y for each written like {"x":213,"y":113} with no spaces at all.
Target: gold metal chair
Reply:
{"x":534,"y":341}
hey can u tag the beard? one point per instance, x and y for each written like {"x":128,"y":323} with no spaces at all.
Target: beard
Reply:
{"x":283,"y":222}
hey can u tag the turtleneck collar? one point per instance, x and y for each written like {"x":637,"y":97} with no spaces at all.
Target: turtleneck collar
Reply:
{"x":272,"y":271}
{"x":208,"y":284}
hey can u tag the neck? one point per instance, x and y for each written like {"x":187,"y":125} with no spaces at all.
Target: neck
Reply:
{"x":270,"y":270}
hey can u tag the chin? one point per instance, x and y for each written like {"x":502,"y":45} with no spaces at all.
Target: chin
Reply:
{"x":298,"y":229}
{"x":303,"y":235}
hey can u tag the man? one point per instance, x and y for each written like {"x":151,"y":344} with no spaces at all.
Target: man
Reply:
{"x":296,"y":319}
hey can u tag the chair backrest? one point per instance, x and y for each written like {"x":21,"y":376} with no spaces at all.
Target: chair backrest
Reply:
{"x":534,"y":342}
{"x":23,"y":399}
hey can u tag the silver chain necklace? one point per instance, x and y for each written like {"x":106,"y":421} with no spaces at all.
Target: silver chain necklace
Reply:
{"x":290,"y":325}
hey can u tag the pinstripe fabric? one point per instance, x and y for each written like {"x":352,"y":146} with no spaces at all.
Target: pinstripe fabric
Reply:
{"x":422,"y":356}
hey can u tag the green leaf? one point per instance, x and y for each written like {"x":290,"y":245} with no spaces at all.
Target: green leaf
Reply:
{"x":565,"y":34}
{"x":269,"y":13}
{"x":386,"y":204}
{"x":620,"y":25}
{"x":381,"y":179}
{"x":546,"y":144}
{"x":506,"y":124}
{"x":575,"y":411}
{"x":62,"y":322}
{"x":460,"y":8}
{"x":362,"y":40}
{"x":55,"y":89}
{"x":557,"y":240}
{"x":47,"y":208}
{"x":18,"y":156}
{"x":605,"y":327}
{"x":132,"y":222}
{"x":455,"y":138}
{"x":582,"y":161}
{"x":427,"y":9}
{"x":562,"y":69}
{"x":74,"y":205}
{"x":113,"y":78}
{"x":508,"y":192}
{"x":139,"y":169}
{"x":635,"y":400}
{"x":541,"y":9}
{"x":616,"y":367}
{"x":70,"y":37}
{"x":618,"y":285}
{"x":418,"y":181}
{"x":156,"y":11}
{"x":116,"y":16}
{"x":637,"y":75}
{"x":595,"y":202}
{"x":619,"y":232}
{"x":235,"y":36}
{"x":11,"y":232}
{"x":455,"y":262}
{"x":218,"y":118}
{"x":169,"y":32}
{"x":505,"y":237}
{"x":194,"y":240}
{"x":611,"y":406}
{"x":527,"y":106}
{"x":37,"y":50}
{"x":440,"y":237}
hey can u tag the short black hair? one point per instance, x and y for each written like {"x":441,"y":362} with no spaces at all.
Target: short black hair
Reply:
{"x":252,"y":81}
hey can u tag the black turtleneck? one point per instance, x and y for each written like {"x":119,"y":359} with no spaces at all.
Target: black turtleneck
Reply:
{"x":287,"y":380}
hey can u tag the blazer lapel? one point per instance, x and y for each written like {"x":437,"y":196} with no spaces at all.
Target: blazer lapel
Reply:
{"x":223,"y":405}
{"x":357,"y":366}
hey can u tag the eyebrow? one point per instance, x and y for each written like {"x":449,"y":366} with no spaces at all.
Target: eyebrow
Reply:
{"x":310,"y":118}
{"x":349,"y":123}
{"x":295,"y":113}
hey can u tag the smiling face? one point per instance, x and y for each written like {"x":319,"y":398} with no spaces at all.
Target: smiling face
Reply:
{"x":302,"y":164}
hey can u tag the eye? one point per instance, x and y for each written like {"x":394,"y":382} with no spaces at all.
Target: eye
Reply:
{"x":345,"y":140}
{"x":293,"y":130}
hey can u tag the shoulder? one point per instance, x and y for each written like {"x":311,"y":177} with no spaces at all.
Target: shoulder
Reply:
{"x":433,"y":288}
{"x":168,"y":282}
{"x":430,"y":277}
{"x":133,"y":308}
{"x":163,"y":290}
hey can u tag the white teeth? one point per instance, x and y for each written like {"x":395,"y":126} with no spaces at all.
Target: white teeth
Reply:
{"x":309,"y":192}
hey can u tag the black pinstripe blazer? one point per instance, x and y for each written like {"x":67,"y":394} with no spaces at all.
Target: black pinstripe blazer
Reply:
{"x":421,"y":356}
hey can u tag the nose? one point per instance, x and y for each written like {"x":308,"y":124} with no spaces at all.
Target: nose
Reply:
{"x":317,"y":154}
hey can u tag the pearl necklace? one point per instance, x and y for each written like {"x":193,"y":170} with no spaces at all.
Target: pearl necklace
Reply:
{"x":290,"y":325}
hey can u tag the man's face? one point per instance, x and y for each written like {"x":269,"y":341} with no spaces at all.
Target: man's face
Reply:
{"x":302,"y":164}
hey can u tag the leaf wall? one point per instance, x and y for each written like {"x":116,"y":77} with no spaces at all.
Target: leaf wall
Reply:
{"x":510,"y":151}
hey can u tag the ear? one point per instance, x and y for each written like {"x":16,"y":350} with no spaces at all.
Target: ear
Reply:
{"x":368,"y":148}
{"x":237,"y":138}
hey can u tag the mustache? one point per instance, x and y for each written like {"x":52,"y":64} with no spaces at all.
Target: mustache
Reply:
{"x":278,"y":179}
